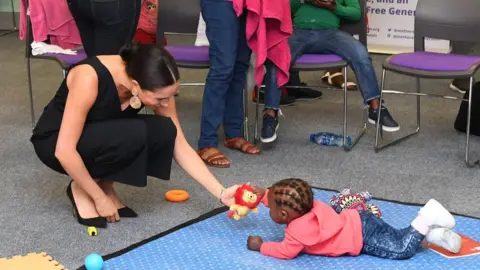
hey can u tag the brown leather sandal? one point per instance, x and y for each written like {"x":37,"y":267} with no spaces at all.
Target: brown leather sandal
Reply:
{"x":242,"y":145}
{"x":213,"y":157}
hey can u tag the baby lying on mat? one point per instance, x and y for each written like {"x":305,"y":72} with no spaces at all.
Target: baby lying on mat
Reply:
{"x":313,"y":227}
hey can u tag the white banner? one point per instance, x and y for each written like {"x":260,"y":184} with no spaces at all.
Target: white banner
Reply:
{"x":391,"y":25}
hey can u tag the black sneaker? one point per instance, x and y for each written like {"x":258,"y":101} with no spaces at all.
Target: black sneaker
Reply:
{"x":303,"y":93}
{"x":460,"y":85}
{"x":269,"y":129}
{"x":388,"y":124}
{"x":284,"y":100}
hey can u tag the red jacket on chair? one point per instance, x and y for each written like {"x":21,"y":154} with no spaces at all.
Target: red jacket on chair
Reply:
{"x":269,"y":25}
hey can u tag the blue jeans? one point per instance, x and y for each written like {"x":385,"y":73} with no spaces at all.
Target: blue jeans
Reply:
{"x":327,"y":41}
{"x":229,"y":60}
{"x":384,"y":241}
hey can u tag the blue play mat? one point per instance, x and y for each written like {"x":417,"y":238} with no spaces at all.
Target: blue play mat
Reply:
{"x":214,"y":241}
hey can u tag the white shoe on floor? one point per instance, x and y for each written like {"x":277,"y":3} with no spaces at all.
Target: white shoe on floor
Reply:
{"x":445,"y":238}
{"x":435,"y":215}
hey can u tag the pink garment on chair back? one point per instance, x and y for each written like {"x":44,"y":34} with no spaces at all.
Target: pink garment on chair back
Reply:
{"x":269,"y":25}
{"x":50,"y":19}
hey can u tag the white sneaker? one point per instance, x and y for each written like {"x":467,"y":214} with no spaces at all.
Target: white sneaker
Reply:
{"x":435,"y":215}
{"x":445,"y":238}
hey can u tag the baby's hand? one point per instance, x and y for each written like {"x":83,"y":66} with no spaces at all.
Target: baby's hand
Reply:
{"x":254,"y":243}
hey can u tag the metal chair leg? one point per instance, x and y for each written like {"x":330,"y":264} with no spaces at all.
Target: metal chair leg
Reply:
{"x":257,"y":108}
{"x":377,"y":124}
{"x":245,"y":114}
{"x":346,"y":147}
{"x":30,"y":92}
{"x":417,"y":130}
{"x":249,"y":85}
{"x":362,"y":130}
{"x":467,"y":161}
{"x":13,"y":22}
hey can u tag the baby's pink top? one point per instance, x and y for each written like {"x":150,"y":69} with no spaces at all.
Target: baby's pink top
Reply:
{"x":319,"y":232}
{"x":148,"y":16}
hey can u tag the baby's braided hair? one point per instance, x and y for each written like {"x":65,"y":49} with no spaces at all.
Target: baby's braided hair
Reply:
{"x":294,"y":193}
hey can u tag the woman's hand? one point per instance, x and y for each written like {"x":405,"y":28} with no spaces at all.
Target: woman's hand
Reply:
{"x":228,"y":195}
{"x":254,"y":243}
{"x":106,"y":208}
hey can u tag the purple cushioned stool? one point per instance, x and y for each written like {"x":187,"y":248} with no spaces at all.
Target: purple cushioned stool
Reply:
{"x":319,"y":61}
{"x":445,"y":20}
{"x":190,"y":56}
{"x":431,"y":61}
{"x":431,"y":65}
{"x":65,"y":60}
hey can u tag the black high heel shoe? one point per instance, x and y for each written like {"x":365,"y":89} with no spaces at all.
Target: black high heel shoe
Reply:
{"x":98,"y":222}
{"x":126,"y":212}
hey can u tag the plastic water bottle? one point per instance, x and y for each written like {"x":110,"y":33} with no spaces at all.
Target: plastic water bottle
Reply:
{"x":329,"y":139}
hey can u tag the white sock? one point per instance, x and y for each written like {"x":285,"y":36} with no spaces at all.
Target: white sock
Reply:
{"x":421,"y":225}
{"x":435,"y":215}
{"x":445,"y":238}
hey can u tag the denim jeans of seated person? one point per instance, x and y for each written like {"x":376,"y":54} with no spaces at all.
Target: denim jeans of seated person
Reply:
{"x":327,"y":41}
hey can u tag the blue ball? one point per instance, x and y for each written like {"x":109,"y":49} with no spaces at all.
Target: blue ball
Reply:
{"x":94,"y":262}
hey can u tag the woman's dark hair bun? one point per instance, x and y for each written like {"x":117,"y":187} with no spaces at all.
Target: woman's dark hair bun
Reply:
{"x":129,"y":50}
{"x":151,"y":65}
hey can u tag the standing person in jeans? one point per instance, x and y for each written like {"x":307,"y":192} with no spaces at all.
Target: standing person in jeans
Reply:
{"x":105,"y":25}
{"x":223,"y":96}
{"x":316,"y":29}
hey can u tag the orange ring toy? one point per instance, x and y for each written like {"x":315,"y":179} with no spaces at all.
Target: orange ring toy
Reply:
{"x":176,"y":195}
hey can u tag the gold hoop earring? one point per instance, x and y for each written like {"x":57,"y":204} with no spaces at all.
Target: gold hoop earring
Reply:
{"x":135,"y":102}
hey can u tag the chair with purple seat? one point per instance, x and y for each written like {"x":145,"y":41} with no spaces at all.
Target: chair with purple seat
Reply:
{"x":64,"y":60}
{"x":442,"y":19}
{"x":319,"y":62}
{"x":181,"y":17}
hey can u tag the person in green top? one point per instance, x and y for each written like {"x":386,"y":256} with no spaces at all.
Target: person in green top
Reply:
{"x":316,"y":30}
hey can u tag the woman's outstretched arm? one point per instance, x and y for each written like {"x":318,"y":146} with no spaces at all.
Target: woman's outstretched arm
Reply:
{"x":189,"y":160}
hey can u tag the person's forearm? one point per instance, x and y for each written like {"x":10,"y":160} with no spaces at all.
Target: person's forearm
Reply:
{"x":281,"y":250}
{"x":74,"y":166}
{"x":189,"y":160}
{"x":349,"y":11}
